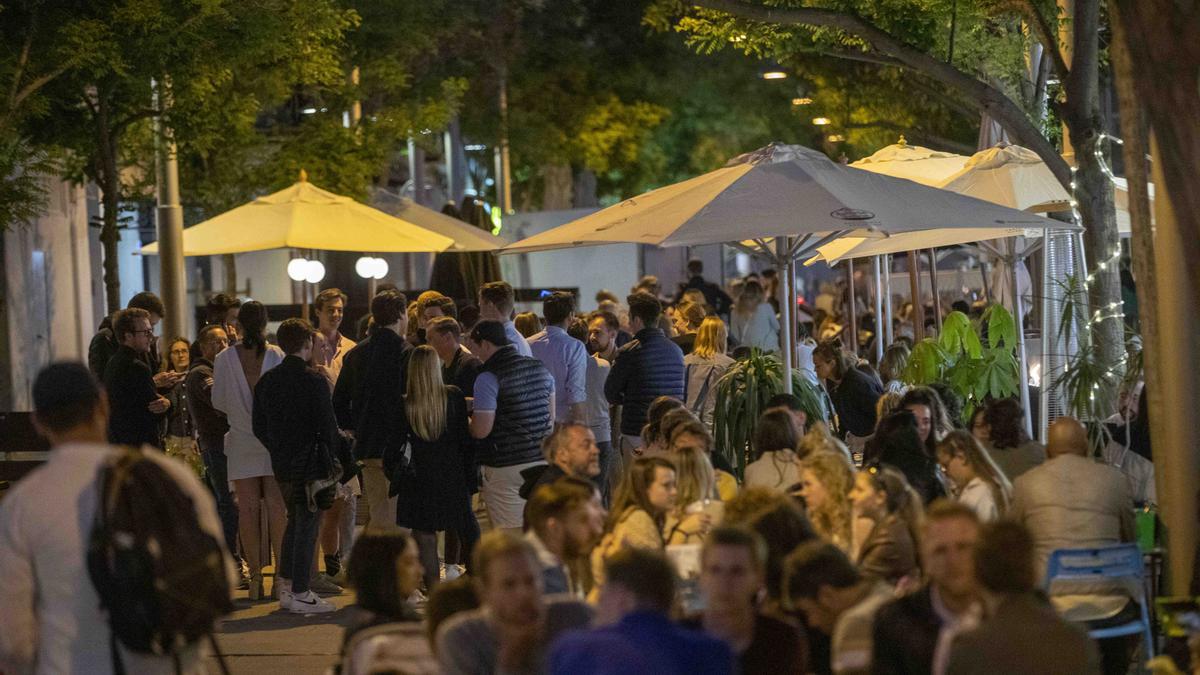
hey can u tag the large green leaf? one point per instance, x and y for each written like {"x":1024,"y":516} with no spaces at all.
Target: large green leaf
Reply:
{"x":958,"y":336}
{"x":1002,"y":330}
{"x":927,"y":363}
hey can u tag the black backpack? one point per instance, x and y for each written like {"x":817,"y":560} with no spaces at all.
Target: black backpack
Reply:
{"x":160,"y":577}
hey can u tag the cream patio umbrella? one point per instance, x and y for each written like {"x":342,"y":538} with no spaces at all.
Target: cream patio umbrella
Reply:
{"x":793,"y":194}
{"x":916,"y":163}
{"x":305,"y":216}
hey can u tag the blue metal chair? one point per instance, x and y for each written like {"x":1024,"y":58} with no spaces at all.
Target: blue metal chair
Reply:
{"x":1112,"y":566}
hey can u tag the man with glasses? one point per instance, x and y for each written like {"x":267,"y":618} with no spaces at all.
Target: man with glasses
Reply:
{"x":137,"y":407}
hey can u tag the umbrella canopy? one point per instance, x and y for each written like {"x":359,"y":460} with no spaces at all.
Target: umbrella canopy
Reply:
{"x":918,"y":164}
{"x":305,"y":216}
{"x":779,"y":190}
{"x":1012,"y":176}
{"x":466,"y":236}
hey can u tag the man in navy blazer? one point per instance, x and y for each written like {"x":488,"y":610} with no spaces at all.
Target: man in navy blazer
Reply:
{"x":638,"y":638}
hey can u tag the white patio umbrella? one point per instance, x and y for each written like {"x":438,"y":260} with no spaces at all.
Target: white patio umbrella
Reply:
{"x":916,"y":163}
{"x":794,"y":194}
{"x":305,"y":216}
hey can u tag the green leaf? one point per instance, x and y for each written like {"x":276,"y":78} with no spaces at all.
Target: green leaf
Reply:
{"x":1002,"y":330}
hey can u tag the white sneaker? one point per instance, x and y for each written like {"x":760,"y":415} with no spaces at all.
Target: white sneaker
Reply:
{"x":284,"y":592}
{"x":310,"y":603}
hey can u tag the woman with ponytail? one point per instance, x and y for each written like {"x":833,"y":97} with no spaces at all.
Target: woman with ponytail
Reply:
{"x":978,"y":481}
{"x":883,"y":496}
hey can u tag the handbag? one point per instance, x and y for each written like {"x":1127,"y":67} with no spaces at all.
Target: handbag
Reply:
{"x":321,"y":490}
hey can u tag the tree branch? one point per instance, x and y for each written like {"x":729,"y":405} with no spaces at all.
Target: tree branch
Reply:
{"x":989,"y":99}
{"x":1046,"y":36}
{"x":142,"y":114}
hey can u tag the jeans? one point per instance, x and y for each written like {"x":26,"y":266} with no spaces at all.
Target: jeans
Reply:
{"x":213,"y":455}
{"x":299,"y":540}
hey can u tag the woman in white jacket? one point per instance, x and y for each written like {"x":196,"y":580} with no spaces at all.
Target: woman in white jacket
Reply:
{"x":754,"y":323}
{"x":235,"y":372}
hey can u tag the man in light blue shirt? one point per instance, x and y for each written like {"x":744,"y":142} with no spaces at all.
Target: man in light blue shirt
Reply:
{"x":564,"y":356}
{"x":496,"y":302}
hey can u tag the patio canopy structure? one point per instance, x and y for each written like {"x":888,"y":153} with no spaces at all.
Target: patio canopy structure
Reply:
{"x":788,"y":200}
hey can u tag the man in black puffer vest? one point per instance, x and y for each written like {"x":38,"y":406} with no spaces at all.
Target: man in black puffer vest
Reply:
{"x":513,"y":412}
{"x":649,"y":366}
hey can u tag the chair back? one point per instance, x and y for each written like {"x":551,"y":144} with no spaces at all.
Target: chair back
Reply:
{"x":1109,"y":565}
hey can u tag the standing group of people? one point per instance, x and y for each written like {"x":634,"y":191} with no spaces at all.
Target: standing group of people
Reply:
{"x":572,"y":475}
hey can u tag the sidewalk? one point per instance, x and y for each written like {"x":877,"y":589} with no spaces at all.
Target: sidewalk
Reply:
{"x":261,"y":638}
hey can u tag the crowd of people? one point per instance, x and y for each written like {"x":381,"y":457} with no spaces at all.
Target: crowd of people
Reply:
{"x":544,"y":493}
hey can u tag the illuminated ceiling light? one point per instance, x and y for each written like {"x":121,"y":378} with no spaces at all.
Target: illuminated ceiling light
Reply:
{"x":774,"y":74}
{"x":314,"y":272}
{"x":297,"y":269}
{"x":835,"y":138}
{"x":740,"y":37}
{"x":821,"y":121}
{"x":804,"y":100}
{"x":309,"y":111}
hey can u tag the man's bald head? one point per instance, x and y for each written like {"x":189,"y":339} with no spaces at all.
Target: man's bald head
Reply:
{"x":1067,"y":437}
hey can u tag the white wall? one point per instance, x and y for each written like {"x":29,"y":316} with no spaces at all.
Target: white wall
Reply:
{"x":588,"y":268}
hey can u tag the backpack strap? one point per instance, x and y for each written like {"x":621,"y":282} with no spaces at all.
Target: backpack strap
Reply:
{"x":702,"y":397}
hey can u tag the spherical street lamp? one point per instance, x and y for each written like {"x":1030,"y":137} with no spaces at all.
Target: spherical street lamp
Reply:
{"x":315,"y":272}
{"x":381,"y":268}
{"x":297,"y":269}
{"x":365,"y":267}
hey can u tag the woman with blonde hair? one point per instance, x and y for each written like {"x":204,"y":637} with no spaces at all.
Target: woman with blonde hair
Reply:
{"x":825,"y":482}
{"x":704,"y":367}
{"x":683,"y":431}
{"x":753,"y":323}
{"x":892,"y":365}
{"x":432,"y":488}
{"x":698,"y":505}
{"x":978,"y":481}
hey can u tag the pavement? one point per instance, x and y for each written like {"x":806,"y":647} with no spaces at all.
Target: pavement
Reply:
{"x":261,"y":638}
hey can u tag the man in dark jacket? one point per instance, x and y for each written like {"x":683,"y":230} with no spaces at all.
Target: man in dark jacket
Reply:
{"x":514,"y":411}
{"x":459,"y":366}
{"x":714,"y":296}
{"x":210,"y":425}
{"x":293,"y":418}
{"x":137,"y":407}
{"x":648,"y":367}
{"x":907,"y":630}
{"x":368,"y":400}
{"x":105,"y":343}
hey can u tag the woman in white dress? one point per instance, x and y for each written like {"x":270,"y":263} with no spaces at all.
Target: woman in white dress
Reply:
{"x":235,"y":372}
{"x":775,"y":442}
{"x":754,"y":323}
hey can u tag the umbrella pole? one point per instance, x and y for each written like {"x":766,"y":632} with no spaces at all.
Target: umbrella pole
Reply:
{"x":914,"y":282}
{"x":1019,"y":316}
{"x":788,"y":333}
{"x":937,"y":297}
{"x":887,"y":298}
{"x":878,"y":310}
{"x":853,"y":332}
{"x":790,"y":298}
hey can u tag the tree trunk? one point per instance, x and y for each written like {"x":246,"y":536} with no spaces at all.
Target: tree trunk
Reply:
{"x":558,"y":183}
{"x":1094,"y":193}
{"x":108,"y":179}
{"x":1165,"y":64}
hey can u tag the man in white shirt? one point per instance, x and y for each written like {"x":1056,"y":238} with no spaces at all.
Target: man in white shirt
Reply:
{"x":51,"y":621}
{"x":496,"y":302}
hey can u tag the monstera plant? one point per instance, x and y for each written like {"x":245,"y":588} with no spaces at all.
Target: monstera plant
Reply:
{"x":742,"y":395}
{"x":978,"y":361}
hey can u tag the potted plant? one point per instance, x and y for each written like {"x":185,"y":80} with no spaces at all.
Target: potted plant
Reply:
{"x":978,"y":364}
{"x":742,"y":395}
